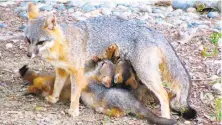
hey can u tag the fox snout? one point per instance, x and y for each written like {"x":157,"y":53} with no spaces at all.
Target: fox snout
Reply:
{"x":32,"y":51}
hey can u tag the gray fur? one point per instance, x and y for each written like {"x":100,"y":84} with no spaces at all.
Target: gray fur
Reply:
{"x":135,"y":44}
{"x":123,"y":99}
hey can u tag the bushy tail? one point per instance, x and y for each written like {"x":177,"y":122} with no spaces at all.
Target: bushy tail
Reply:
{"x":177,"y":75}
{"x":125,"y":100}
{"x":27,"y":75}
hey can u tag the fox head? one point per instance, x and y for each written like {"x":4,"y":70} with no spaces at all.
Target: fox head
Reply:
{"x":41,"y":31}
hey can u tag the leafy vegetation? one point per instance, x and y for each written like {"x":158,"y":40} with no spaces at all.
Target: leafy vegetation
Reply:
{"x":214,"y":38}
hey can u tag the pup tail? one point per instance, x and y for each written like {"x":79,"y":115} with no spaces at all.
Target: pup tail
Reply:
{"x":123,"y":99}
{"x":27,"y":75}
{"x":150,"y":116}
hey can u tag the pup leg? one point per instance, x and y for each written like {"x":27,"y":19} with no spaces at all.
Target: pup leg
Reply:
{"x":61,"y":76}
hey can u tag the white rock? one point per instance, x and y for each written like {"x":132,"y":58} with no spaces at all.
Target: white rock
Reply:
{"x":217,"y":87}
{"x":187,"y":122}
{"x":201,"y":48}
{"x":106,"y":11}
{"x":191,"y":10}
{"x":8,"y":45}
{"x":71,"y":10}
{"x":80,"y":18}
{"x":145,"y":8}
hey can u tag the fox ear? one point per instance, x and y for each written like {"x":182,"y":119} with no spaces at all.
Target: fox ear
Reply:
{"x":33,"y":11}
{"x":50,"y":22}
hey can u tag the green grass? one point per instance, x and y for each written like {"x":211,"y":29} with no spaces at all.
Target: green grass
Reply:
{"x":218,"y":111}
{"x":214,"y":38}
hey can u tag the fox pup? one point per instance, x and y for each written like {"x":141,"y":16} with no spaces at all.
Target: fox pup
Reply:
{"x":69,"y":47}
{"x":124,"y":74}
{"x":114,"y":102}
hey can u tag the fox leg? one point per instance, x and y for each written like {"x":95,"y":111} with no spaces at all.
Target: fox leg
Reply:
{"x":78,"y":83}
{"x":61,"y":76}
{"x":148,"y":72}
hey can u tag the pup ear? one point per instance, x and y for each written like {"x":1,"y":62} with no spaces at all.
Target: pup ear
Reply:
{"x":118,"y":79}
{"x":132,"y":82}
{"x":50,"y":22}
{"x":33,"y":11}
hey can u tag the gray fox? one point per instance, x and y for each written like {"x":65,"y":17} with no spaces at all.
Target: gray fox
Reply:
{"x":69,"y":47}
{"x":114,"y":102}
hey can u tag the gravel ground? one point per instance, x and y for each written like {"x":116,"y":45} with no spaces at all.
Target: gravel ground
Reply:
{"x":15,"y":108}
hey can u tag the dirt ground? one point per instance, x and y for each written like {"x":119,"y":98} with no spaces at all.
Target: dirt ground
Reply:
{"x":15,"y":108}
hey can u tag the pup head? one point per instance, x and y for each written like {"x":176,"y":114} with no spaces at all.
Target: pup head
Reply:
{"x":124,"y":74}
{"x":105,"y":72}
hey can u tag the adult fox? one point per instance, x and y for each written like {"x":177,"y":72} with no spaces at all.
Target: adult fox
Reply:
{"x":69,"y":47}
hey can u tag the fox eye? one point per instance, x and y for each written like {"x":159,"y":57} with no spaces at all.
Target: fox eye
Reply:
{"x":40,"y":42}
{"x":27,"y":40}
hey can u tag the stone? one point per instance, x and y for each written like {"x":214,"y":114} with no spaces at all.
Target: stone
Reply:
{"x":46,"y":8}
{"x":22,"y":27}
{"x":71,"y":10}
{"x":191,"y":10}
{"x":23,"y":14}
{"x":145,"y":8}
{"x":9,"y":45}
{"x":88,"y":7}
{"x":183,"y":4}
{"x":3,"y":25}
{"x":60,"y":7}
{"x":217,"y":87}
{"x":106,"y":11}
{"x":156,"y":10}
{"x":213,"y":14}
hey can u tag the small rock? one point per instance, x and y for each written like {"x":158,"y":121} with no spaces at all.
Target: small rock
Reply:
{"x":2,"y":25}
{"x":80,"y":18}
{"x":122,"y":7}
{"x":187,"y":122}
{"x":213,"y":14}
{"x":22,"y":27}
{"x":39,"y":115}
{"x":60,"y":7}
{"x":46,"y":8}
{"x":145,"y":8}
{"x":201,"y":48}
{"x":71,"y":10}
{"x":123,"y":17}
{"x":116,"y":13}
{"x":155,"y":10}
{"x":23,"y":14}
{"x":8,"y":46}
{"x":106,"y":11}
{"x":191,"y":10}
{"x":182,"y":4}
{"x":88,"y":7}
{"x":217,"y":87}
{"x":169,"y":9}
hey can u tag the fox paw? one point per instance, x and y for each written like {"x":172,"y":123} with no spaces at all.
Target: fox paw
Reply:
{"x":73,"y":112}
{"x":51,"y":99}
